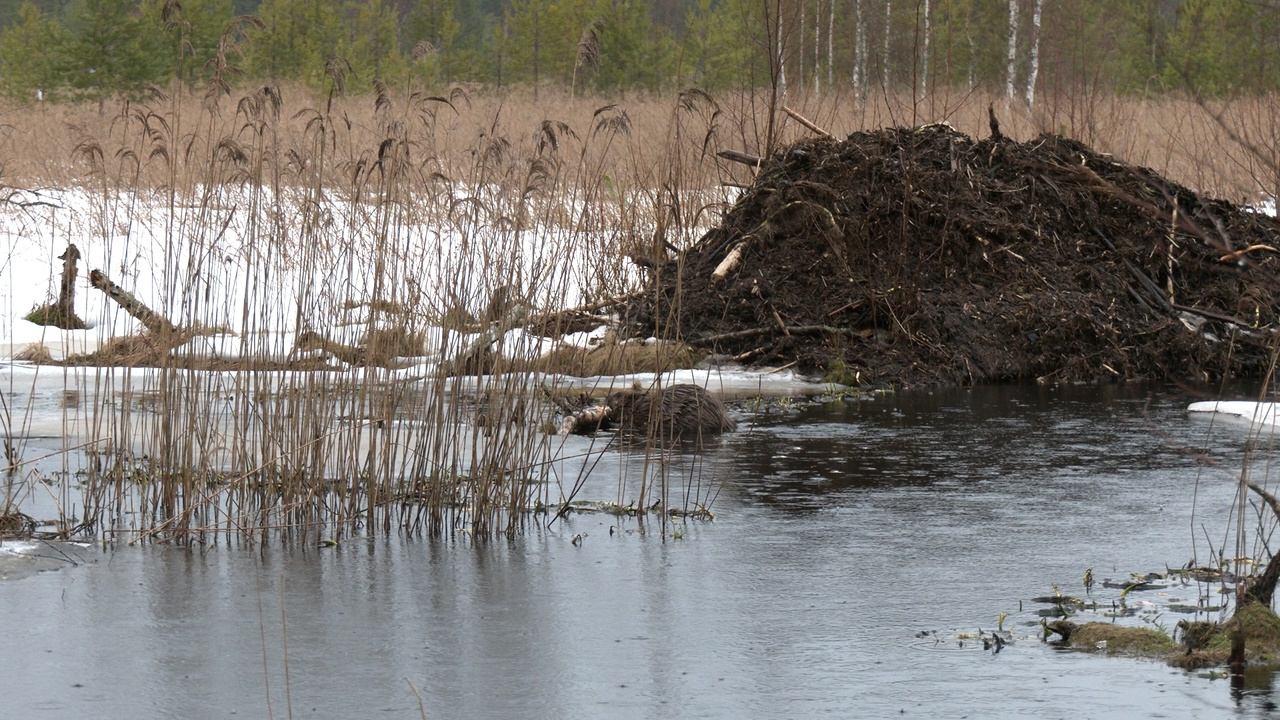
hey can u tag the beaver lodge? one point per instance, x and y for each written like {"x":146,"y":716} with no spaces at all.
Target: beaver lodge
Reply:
{"x":921,"y":256}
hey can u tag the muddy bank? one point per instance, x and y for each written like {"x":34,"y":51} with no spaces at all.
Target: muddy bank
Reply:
{"x":924,"y":256}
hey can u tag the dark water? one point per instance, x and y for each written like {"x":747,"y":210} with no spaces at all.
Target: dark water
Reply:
{"x":841,"y":533}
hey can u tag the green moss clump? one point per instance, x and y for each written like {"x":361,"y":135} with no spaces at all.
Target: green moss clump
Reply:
{"x":1122,"y":640}
{"x":841,"y":374}
{"x":1261,"y":629}
{"x":52,"y":315}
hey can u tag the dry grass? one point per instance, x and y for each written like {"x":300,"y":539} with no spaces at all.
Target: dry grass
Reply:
{"x":384,"y":212}
{"x":411,"y":210}
{"x":1171,"y":133}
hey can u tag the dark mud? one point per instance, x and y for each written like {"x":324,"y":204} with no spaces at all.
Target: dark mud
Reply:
{"x":923,"y":256}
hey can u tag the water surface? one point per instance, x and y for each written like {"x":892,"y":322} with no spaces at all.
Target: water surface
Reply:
{"x":853,"y":543}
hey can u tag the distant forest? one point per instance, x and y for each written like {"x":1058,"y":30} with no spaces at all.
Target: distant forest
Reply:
{"x":81,"y":49}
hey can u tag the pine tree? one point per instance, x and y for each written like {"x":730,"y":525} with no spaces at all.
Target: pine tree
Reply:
{"x":298,"y":38}
{"x":370,"y":43}
{"x":106,"y":49}
{"x":194,"y":29}
{"x":26,"y":51}
{"x":436,"y":23}
{"x":634,"y":53}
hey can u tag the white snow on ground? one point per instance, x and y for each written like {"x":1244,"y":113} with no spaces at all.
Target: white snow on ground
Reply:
{"x":1253,"y":413}
{"x":206,"y":266}
{"x":201,"y":263}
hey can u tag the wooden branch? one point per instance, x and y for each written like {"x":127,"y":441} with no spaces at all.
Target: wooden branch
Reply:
{"x":754,"y":332}
{"x":589,"y":307}
{"x":1262,"y":588}
{"x":766,"y":229}
{"x":740,"y":157}
{"x":153,"y":321}
{"x":1211,"y":315}
{"x":1147,"y":284}
{"x":730,"y":261}
{"x":805,"y":122}
{"x":1237,"y":254}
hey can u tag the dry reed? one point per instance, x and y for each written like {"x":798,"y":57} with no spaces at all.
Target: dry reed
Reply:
{"x":411,"y":209}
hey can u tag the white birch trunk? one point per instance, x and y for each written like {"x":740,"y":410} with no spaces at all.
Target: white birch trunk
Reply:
{"x":859,"y":51}
{"x":924,"y":61}
{"x":831,"y":41}
{"x":884,"y":59}
{"x":800,"y":58}
{"x":817,"y":44}
{"x":1035,"y":54}
{"x":782,"y":68}
{"x":1012,"y":70}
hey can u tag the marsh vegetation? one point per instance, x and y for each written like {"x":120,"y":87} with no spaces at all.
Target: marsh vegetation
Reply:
{"x":406,"y":257}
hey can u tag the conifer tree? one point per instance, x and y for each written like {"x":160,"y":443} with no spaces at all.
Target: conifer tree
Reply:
{"x":106,"y":48}
{"x":297,"y":39}
{"x":27,"y":70}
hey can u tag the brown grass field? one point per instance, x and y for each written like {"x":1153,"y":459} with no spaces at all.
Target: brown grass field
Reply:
{"x":1227,"y":149}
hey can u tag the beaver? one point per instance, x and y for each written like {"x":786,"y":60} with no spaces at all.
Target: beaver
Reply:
{"x":677,"y":411}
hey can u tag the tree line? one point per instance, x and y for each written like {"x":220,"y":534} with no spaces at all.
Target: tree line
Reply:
{"x":59,"y":49}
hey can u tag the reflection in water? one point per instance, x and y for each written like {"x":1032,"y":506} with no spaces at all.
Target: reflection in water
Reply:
{"x":841,"y":533}
{"x":960,"y":439}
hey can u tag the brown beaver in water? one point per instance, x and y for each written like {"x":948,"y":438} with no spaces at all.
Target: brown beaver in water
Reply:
{"x":677,"y":411}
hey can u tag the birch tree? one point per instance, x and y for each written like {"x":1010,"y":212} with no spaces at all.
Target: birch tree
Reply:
{"x":924,"y":61}
{"x":1035,"y":54}
{"x":859,"y":52}
{"x":831,"y":40}
{"x":884,"y":59}
{"x":1012,"y":66}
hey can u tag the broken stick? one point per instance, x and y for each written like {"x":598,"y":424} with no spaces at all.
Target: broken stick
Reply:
{"x":745,"y":158}
{"x":67,"y":296}
{"x":153,"y":321}
{"x":805,"y":122}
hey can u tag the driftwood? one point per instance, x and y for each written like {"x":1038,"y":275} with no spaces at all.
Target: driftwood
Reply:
{"x":154,"y":322}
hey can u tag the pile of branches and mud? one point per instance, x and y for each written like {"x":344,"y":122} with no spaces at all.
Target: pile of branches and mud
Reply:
{"x":923,"y":256}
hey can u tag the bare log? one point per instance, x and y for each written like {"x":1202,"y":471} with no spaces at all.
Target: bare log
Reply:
{"x":805,"y":122}
{"x":61,"y":312}
{"x":67,"y":295}
{"x":1235,"y":255}
{"x":154,"y":322}
{"x":729,"y":262}
{"x":740,"y":157}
